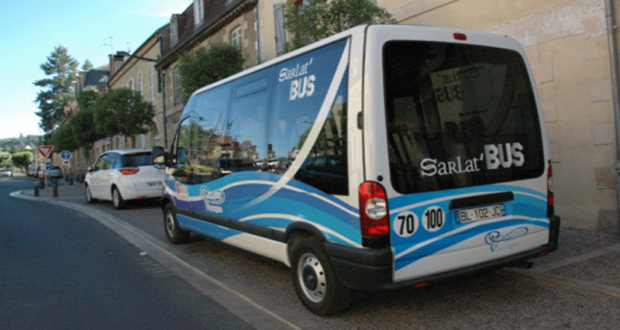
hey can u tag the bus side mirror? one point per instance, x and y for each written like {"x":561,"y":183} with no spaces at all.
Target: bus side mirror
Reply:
{"x":159,"y":157}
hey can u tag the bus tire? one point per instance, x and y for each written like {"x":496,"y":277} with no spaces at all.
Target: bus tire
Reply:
{"x":314,"y":279}
{"x":175,"y":234}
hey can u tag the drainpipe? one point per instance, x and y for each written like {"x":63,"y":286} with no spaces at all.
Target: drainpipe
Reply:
{"x":162,"y":86}
{"x":258,"y":57}
{"x":613,"y":60}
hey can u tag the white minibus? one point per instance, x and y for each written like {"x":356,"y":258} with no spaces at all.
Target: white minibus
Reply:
{"x":418,"y":154}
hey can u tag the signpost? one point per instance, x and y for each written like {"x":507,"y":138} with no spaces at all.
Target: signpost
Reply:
{"x":45,"y":151}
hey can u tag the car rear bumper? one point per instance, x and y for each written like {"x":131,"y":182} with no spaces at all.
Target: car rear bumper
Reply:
{"x":142,"y":194}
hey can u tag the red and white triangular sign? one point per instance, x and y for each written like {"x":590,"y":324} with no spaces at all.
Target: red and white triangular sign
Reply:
{"x":45,"y":150}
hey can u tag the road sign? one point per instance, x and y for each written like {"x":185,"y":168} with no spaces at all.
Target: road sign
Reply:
{"x":45,"y":151}
{"x":65,"y":155}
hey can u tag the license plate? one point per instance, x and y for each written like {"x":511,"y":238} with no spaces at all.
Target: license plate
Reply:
{"x":154,"y":184}
{"x":480,"y":213}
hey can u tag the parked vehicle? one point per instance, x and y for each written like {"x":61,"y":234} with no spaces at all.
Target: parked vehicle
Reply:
{"x":49,"y":172}
{"x":123,"y":175}
{"x":53,"y":171}
{"x":31,"y":170}
{"x":420,"y":154}
{"x":227,"y":166}
{"x":6,"y":172}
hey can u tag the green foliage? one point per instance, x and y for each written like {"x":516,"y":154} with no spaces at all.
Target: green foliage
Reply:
{"x":64,"y":139}
{"x":204,"y":66}
{"x":122,"y":112}
{"x":87,"y":65}
{"x":20,"y":143}
{"x":82,"y":124}
{"x":87,"y":98}
{"x":22,"y":159}
{"x":5,"y":159}
{"x":56,"y":92}
{"x":320,"y":19}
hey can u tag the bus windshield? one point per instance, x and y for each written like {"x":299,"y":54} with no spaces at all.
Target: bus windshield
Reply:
{"x":458,"y":116}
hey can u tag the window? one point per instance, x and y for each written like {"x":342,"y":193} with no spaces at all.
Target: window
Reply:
{"x":458,"y":116}
{"x":131,"y":84}
{"x":199,"y":12}
{"x":177,"y":87}
{"x":202,"y":136}
{"x":235,"y":37}
{"x":140,"y":84}
{"x":297,"y":101}
{"x":249,"y":117}
{"x":174,"y":31}
{"x":133,"y":160}
{"x":152,"y":78}
{"x":278,"y":10}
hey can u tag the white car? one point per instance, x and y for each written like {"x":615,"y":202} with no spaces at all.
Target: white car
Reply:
{"x":6,"y":172}
{"x":122,"y":175}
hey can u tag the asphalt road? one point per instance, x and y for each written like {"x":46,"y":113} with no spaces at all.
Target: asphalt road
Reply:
{"x":576,"y":287}
{"x":62,"y":270}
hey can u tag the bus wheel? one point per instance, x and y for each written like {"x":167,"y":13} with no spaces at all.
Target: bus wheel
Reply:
{"x":175,"y":234}
{"x":315,"y":281}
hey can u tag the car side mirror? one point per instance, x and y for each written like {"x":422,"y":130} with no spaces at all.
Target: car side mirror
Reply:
{"x":159,"y":157}
{"x":90,"y":169}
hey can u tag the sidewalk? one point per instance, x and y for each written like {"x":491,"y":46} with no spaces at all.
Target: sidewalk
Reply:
{"x":585,"y":259}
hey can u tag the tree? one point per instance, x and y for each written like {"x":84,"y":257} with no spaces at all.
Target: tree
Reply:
{"x":122,"y":111}
{"x":87,"y":65}
{"x":204,"y":66}
{"x":56,"y":92}
{"x":5,"y":159}
{"x":22,"y":159}
{"x":320,"y":19}
{"x":82,"y":124}
{"x":63,"y":138}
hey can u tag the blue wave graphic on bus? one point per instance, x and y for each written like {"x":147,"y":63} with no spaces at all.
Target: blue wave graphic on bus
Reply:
{"x":295,"y":201}
{"x":529,"y":207}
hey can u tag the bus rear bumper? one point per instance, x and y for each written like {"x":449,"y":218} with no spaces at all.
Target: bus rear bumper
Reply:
{"x":371,"y":269}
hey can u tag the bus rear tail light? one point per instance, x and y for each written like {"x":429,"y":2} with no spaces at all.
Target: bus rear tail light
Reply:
{"x":460,"y":36}
{"x":374,"y":215}
{"x":129,"y":170}
{"x":550,"y":197}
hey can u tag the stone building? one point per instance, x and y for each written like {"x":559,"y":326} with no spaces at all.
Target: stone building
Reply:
{"x":204,"y":22}
{"x":137,"y":72}
{"x":567,"y":47}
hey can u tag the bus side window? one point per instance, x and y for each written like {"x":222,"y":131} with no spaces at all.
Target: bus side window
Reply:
{"x":199,"y":141}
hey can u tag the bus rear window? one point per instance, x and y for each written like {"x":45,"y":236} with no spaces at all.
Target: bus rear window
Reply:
{"x":458,"y":116}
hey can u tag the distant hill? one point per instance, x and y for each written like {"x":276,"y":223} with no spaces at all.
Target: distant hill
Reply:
{"x":20,"y":142}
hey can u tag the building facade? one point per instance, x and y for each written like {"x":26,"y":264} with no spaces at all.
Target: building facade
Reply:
{"x":567,"y":47}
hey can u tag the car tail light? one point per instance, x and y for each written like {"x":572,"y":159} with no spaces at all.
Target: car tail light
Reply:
{"x":550,"y":197}
{"x":374,"y":215}
{"x":129,"y":170}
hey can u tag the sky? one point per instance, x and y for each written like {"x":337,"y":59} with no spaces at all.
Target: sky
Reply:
{"x":89,"y":29}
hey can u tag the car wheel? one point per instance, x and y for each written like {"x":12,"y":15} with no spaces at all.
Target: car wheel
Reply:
{"x":314,"y":278}
{"x":117,"y":199}
{"x":175,"y":234}
{"x":89,"y":195}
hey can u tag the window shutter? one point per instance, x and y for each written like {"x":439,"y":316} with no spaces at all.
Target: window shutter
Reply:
{"x":278,"y":10}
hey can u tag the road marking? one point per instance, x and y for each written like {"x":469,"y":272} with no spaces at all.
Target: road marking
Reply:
{"x":572,"y":282}
{"x":206,"y":284}
{"x":577,"y":259}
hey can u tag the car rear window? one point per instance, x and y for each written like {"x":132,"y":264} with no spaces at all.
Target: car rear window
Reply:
{"x":458,"y":116}
{"x":141,"y":159}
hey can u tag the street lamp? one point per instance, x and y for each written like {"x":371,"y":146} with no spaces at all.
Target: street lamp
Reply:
{"x":160,"y":86}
